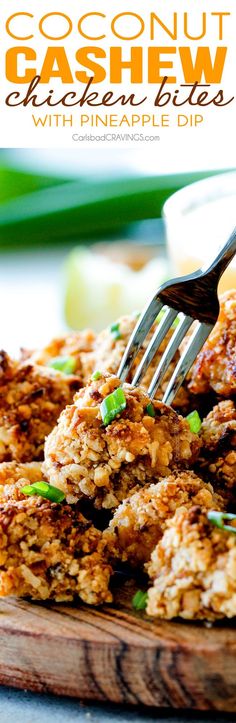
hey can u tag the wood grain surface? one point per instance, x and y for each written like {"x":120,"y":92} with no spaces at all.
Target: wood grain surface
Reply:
{"x":114,"y":654}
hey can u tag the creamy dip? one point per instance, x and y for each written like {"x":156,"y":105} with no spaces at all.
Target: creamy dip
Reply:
{"x":195,"y":236}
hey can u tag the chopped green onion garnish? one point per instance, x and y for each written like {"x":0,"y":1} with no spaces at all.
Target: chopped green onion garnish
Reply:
{"x":139,"y":601}
{"x":217,"y":518}
{"x":113,"y":405}
{"x":44,"y":490}
{"x":95,"y":376}
{"x":194,"y":422}
{"x":115,"y":330}
{"x":150,"y":410}
{"x":65,"y":364}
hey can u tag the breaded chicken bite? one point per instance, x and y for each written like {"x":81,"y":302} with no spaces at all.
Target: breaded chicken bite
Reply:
{"x":141,"y":519}
{"x":218,"y":454}
{"x":108,"y":350}
{"x":215,"y":366}
{"x":88,"y":352}
{"x":75,"y":345}
{"x":86,"y":455}
{"x":31,"y":399}
{"x":51,"y":552}
{"x":193,"y":570}
{"x":14,"y":476}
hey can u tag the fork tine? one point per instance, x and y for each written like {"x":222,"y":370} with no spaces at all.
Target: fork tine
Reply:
{"x":182,"y":328}
{"x":140,"y":332}
{"x":186,"y":360}
{"x":156,"y":340}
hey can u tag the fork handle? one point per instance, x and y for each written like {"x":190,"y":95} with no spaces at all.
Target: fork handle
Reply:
{"x":223,"y":258}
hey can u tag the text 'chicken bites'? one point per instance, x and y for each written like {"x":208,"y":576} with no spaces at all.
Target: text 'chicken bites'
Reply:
{"x":31,"y":399}
{"x":193,"y":569}
{"x":140,"y":521}
{"x":51,"y":552}
{"x":215,"y":367}
{"x":84,"y":455}
{"x":218,"y":453}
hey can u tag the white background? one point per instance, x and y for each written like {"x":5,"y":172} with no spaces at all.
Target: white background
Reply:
{"x":213,"y":139}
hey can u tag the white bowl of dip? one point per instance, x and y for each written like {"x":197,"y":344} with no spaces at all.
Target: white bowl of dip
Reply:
{"x":198,"y":220}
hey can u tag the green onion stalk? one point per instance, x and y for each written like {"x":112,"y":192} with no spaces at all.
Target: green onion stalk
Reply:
{"x":43,"y":489}
{"x":112,"y":405}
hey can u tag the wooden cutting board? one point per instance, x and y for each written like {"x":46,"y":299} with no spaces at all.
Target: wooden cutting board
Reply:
{"x":114,"y":654}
